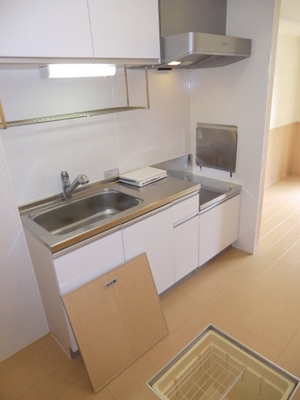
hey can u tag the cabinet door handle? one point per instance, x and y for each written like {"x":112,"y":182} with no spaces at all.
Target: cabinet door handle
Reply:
{"x":204,"y":210}
{"x":111,"y":283}
{"x":185,"y":220}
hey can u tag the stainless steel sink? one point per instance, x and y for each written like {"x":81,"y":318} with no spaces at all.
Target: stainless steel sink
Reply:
{"x":74,"y":215}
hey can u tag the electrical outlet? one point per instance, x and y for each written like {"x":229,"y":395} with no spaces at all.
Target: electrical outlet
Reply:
{"x":111,"y":172}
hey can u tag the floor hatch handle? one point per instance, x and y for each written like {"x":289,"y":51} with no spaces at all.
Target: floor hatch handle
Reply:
{"x":111,"y":283}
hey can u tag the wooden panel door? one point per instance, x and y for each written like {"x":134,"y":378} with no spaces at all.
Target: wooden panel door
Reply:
{"x":116,"y":318}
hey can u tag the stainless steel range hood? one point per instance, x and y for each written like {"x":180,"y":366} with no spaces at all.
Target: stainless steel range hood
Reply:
{"x":202,"y":50}
{"x":193,"y":34}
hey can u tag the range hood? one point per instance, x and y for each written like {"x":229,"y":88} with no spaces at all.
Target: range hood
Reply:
{"x":193,"y":35}
{"x":202,"y":50}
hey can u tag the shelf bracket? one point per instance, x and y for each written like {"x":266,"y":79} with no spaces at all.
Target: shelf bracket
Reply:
{"x":54,"y":118}
{"x":2,"y":118}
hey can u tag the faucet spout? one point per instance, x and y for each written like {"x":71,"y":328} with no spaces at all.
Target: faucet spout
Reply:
{"x":69,"y":188}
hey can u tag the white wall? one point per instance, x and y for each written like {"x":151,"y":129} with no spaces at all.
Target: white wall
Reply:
{"x":36,"y":154}
{"x":237,"y":95}
{"x":286,"y":93}
{"x":21,"y":312}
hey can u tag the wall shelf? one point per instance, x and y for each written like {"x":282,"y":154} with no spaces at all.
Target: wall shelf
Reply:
{"x":84,"y":114}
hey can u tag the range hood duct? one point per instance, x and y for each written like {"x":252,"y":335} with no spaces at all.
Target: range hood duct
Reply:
{"x":202,"y":50}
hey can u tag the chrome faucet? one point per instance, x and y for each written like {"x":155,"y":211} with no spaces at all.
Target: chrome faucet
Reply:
{"x":67,"y":187}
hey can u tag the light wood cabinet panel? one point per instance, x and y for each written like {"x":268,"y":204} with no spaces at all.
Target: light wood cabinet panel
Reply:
{"x":218,"y":228}
{"x":99,"y":329}
{"x":116,"y":318}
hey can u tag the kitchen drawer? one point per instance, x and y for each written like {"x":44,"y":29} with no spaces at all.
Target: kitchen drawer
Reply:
{"x":185,"y":207}
{"x":88,"y":262}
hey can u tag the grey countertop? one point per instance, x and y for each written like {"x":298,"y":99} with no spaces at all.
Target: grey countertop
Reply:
{"x":212,"y":191}
{"x":151,"y":197}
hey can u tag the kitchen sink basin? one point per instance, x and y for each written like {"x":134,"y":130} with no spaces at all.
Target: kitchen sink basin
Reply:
{"x":74,"y":215}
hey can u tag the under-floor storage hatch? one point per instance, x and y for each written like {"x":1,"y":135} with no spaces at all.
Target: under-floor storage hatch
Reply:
{"x":216,"y":366}
{"x":116,"y":318}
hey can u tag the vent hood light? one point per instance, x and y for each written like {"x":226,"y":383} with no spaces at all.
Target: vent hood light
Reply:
{"x":77,"y":70}
{"x":174,"y":63}
{"x":203,"y":50}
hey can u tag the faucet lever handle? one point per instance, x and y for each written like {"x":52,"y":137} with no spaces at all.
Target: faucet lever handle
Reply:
{"x":64,"y":176}
{"x":65,"y":181}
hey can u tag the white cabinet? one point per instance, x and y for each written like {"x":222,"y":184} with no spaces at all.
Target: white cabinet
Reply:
{"x":153,"y":234}
{"x":185,"y":234}
{"x":218,"y":228}
{"x":127,"y":29}
{"x":58,"y":274}
{"x":35,"y":28}
{"x":79,"y":29}
{"x":83,"y":264}
{"x":87,"y":262}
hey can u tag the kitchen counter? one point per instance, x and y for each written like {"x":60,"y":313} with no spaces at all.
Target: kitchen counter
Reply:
{"x":151,"y":197}
{"x":212,"y":191}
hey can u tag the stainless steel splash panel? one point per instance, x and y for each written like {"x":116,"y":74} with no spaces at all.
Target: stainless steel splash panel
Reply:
{"x":216,"y":146}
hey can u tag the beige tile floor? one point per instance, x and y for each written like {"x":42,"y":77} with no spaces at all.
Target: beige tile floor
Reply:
{"x":255,"y":298}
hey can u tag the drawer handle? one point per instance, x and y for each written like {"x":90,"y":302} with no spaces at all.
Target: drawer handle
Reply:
{"x":111,"y":283}
{"x":182,"y":221}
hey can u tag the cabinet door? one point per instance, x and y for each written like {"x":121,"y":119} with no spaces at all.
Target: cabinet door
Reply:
{"x":153,"y":235}
{"x":116,"y":318}
{"x":35,"y":28}
{"x":87,"y":262}
{"x":125,"y":28}
{"x":218,"y":228}
{"x":185,"y":235}
{"x":186,"y":247}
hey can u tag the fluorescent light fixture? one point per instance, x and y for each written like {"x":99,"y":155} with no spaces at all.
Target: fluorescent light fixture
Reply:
{"x":174,"y":63}
{"x":77,"y":70}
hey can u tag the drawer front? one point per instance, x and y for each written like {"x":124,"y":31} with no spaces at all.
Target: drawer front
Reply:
{"x":185,"y":208}
{"x":88,"y":262}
